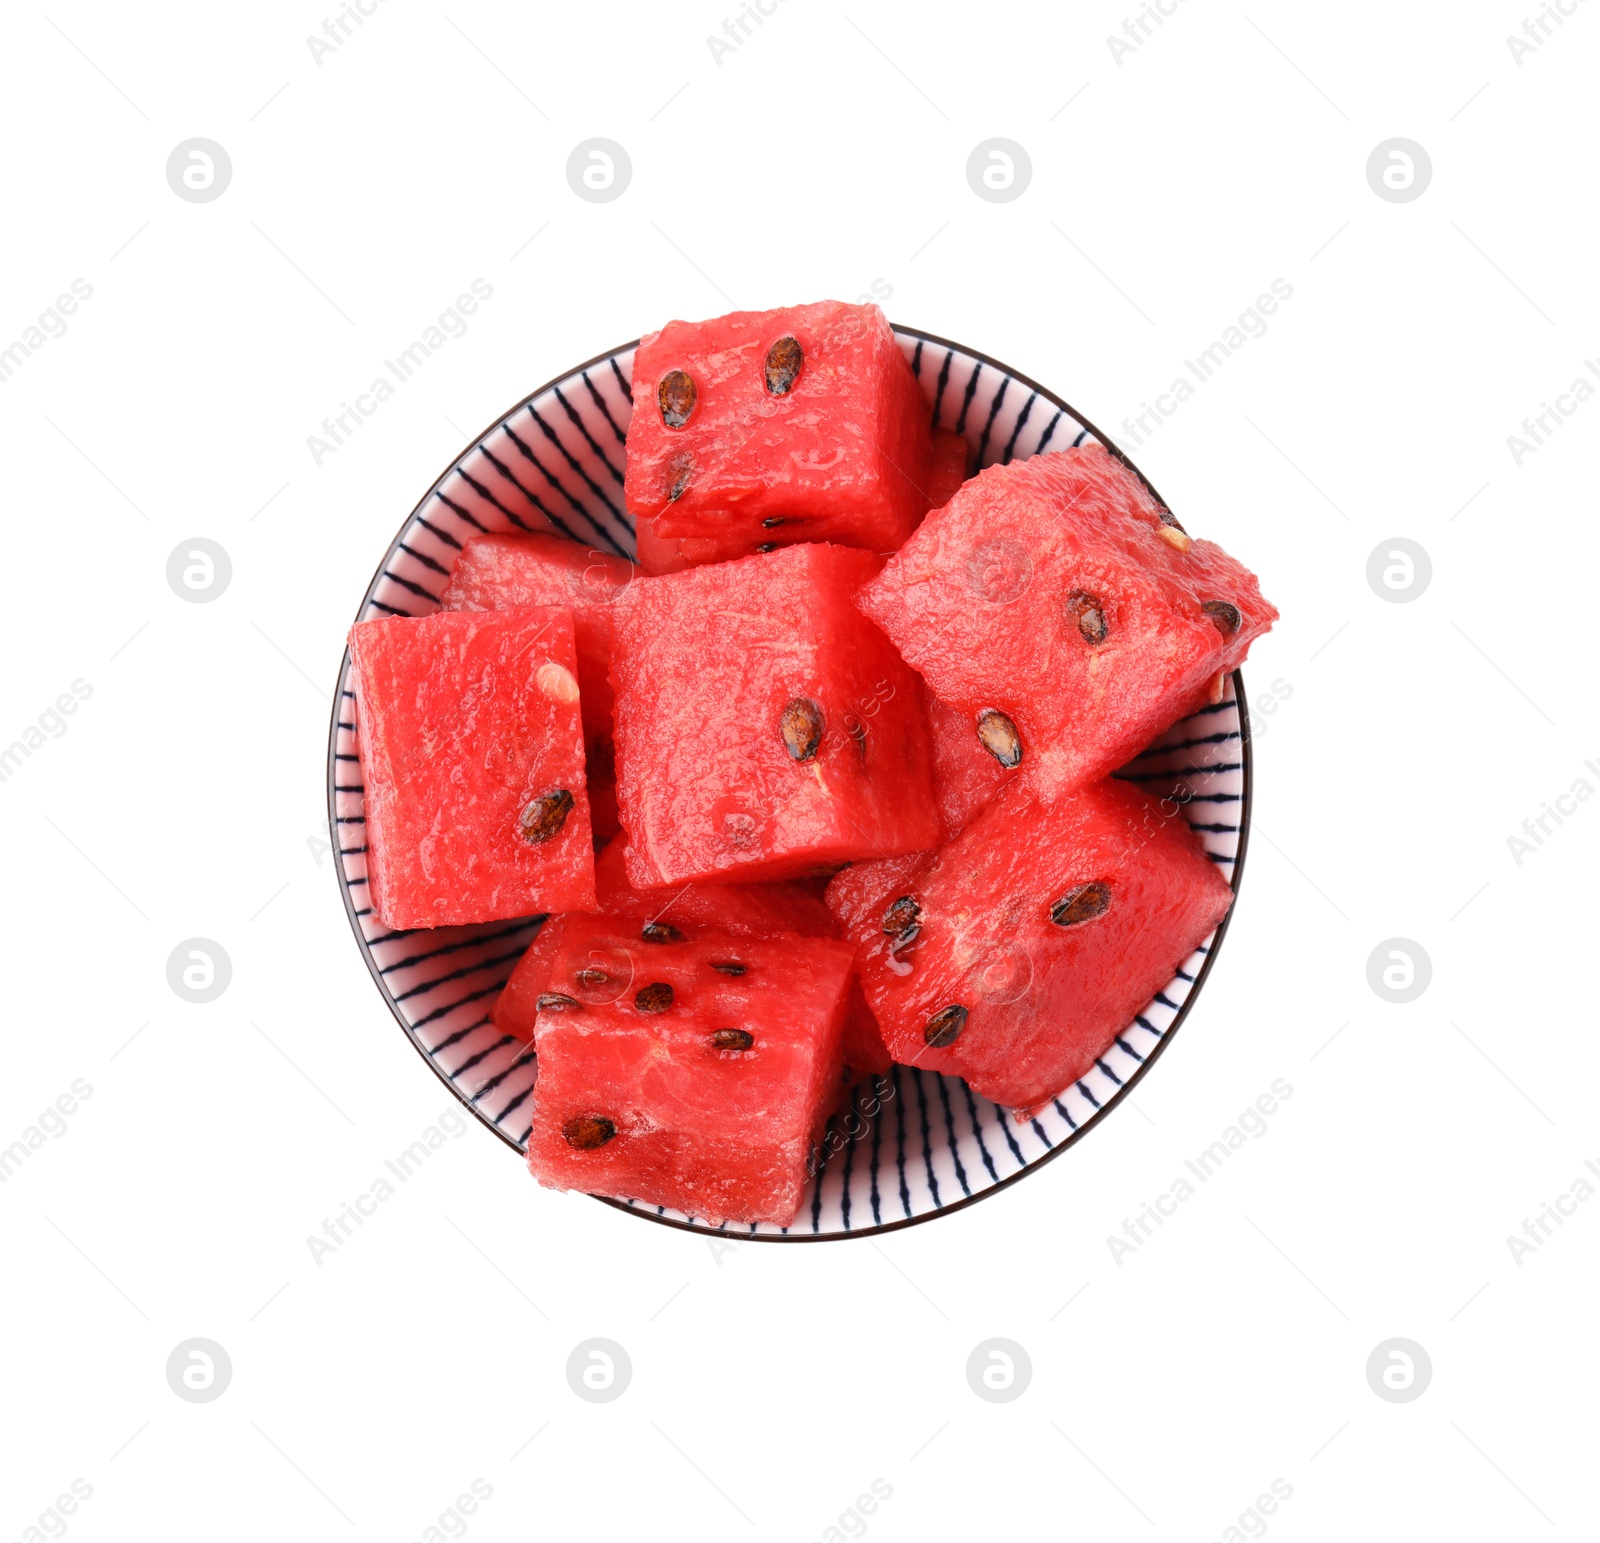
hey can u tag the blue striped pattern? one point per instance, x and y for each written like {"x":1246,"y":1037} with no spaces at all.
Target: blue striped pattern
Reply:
{"x":919,"y":1144}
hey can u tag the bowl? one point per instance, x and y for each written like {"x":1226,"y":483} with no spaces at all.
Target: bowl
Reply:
{"x":927,"y":1145}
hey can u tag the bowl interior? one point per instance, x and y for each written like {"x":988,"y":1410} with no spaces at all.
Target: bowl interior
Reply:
{"x":920,"y":1143}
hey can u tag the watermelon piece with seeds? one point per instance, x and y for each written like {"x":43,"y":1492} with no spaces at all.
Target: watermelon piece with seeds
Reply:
{"x":765,"y":728}
{"x":697,"y":1074}
{"x":740,"y":910}
{"x":1015,"y":955}
{"x":800,"y":424}
{"x":1057,"y":595}
{"x":472,"y":757}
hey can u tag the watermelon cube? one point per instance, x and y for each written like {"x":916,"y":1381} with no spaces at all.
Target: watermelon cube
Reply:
{"x":1015,"y":955}
{"x":696,"y":1074}
{"x":1059,"y":605}
{"x":686,"y":910}
{"x":765,"y":728}
{"x":805,"y":421}
{"x":499,"y":573}
{"x":472,"y":757}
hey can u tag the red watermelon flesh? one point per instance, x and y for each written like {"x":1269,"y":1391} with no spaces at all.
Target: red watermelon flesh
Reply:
{"x":496,"y":573}
{"x":472,"y":757}
{"x":1055,"y":591}
{"x":673,"y":1082}
{"x":948,"y":469}
{"x":743,"y":910}
{"x":765,"y":728}
{"x":806,"y":420}
{"x":971,"y":973}
{"x":966,"y":777}
{"x":946,"y":473}
{"x":657,"y":554}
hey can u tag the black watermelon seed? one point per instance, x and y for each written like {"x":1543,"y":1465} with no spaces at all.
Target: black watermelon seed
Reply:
{"x":1081,"y":903}
{"x":773,"y":522}
{"x":660,"y":932}
{"x":1090,"y":615}
{"x":998,"y":735}
{"x":558,"y":1002}
{"x":767,"y":546}
{"x":1224,"y":617}
{"x":544,"y":817}
{"x":728,"y":967}
{"x":945,"y":1027}
{"x":676,"y":397}
{"x":902,"y":913}
{"x":592,"y":977}
{"x":784,"y":361}
{"x":732,"y":1039}
{"x":654,"y":998}
{"x":801,"y":727}
{"x":588,"y":1131}
{"x":678,"y":476}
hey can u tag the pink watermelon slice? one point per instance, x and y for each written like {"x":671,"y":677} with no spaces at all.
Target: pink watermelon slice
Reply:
{"x":1060,"y":607}
{"x":472,"y":754}
{"x":695,"y":1074}
{"x":1014,"y":956}
{"x":805,"y":421}
{"x":765,"y":729}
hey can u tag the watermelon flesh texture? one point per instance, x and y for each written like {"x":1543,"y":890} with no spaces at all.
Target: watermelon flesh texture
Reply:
{"x":709,"y":665}
{"x":465,"y":721}
{"x":1042,"y":998}
{"x":657,"y":554}
{"x":947,"y":471}
{"x":499,"y":573}
{"x":740,"y":910}
{"x":948,"y":467}
{"x":966,"y":777}
{"x":645,"y":1106}
{"x":842,"y":455}
{"x":772,"y":910}
{"x":1053,"y":590}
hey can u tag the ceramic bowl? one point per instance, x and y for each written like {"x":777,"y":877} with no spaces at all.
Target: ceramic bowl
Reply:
{"x":555,"y":462}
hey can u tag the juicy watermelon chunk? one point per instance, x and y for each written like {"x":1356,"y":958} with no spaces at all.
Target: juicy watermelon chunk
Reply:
{"x":805,"y":421}
{"x":497,"y":573}
{"x":1058,"y":592}
{"x":675,"y":1081}
{"x":967,"y":968}
{"x":765,"y":728}
{"x":472,"y":755}
{"x":743,"y":910}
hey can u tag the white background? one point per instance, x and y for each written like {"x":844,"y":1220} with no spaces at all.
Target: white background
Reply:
{"x":773,"y":1384}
